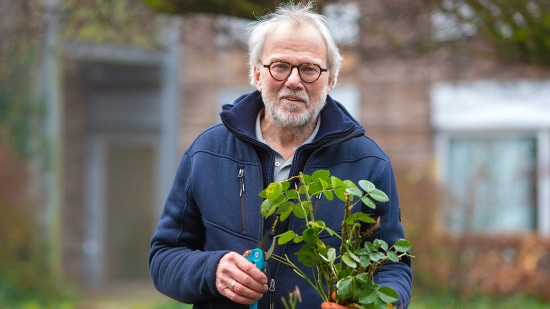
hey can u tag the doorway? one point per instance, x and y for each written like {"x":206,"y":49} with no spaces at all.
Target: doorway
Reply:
{"x":123,"y":168}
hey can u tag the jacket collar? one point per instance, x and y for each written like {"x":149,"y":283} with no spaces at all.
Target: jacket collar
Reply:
{"x":240,"y":118}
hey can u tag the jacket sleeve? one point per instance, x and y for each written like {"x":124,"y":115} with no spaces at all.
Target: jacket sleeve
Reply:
{"x":397,"y":276}
{"x":178,"y":266}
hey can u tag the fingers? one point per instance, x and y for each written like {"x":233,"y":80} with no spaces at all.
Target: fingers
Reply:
{"x":240,"y":280}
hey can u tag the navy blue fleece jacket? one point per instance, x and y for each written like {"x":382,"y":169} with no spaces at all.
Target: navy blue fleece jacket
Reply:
{"x":214,"y":207}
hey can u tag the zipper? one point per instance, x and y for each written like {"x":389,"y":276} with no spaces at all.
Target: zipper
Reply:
{"x":272,"y":293}
{"x":272,"y":231}
{"x":240,"y":176}
{"x":316,"y":202}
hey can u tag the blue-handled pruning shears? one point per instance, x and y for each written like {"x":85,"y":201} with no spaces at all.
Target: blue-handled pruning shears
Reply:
{"x":259,"y":256}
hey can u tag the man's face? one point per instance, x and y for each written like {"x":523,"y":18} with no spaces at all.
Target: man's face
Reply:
{"x":293,"y":103}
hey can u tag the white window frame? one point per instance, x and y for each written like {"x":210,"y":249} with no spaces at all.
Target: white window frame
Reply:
{"x":519,"y":107}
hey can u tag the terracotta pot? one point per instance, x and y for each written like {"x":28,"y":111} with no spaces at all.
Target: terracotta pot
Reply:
{"x":331,"y":305}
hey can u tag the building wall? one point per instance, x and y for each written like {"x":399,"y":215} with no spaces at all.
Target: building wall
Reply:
{"x":74,"y":152}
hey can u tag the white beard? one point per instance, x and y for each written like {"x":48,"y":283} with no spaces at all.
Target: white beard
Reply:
{"x":288,"y":118}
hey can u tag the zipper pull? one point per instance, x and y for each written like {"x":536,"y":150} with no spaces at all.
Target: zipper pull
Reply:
{"x":272,"y":293}
{"x":241,"y":181}
{"x":272,"y":285}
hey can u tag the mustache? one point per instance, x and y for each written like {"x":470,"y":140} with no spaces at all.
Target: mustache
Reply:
{"x":294,"y":93}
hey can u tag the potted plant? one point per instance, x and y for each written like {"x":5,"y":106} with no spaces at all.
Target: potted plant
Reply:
{"x":341,"y":275}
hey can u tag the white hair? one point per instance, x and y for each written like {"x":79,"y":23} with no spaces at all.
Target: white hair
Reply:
{"x":299,"y":14}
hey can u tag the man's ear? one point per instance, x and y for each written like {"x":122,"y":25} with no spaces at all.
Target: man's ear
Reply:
{"x":330,"y":83}
{"x":257,"y":79}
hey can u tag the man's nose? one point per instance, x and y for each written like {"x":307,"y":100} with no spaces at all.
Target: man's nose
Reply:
{"x":294,"y":77}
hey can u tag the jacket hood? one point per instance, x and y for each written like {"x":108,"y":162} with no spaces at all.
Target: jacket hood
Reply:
{"x":336,"y":120}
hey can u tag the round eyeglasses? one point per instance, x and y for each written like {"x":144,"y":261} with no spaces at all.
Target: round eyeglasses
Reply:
{"x":309,"y":72}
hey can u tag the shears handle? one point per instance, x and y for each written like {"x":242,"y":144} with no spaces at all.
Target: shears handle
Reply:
{"x":256,"y":256}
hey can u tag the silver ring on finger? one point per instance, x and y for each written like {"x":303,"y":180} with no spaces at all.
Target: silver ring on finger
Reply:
{"x":233,"y":285}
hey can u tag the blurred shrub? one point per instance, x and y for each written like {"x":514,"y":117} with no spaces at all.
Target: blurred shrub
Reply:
{"x":468,"y":265}
{"x":496,"y":265}
{"x":25,"y":277}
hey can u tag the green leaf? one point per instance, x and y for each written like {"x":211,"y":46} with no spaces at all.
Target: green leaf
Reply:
{"x":325,"y":184}
{"x":354,"y":191}
{"x":340,"y":193}
{"x":266,"y":208}
{"x":291,"y":194}
{"x":368,"y":295}
{"x":328,"y":195}
{"x":331,"y":255}
{"x":349,"y":184}
{"x":349,"y":261}
{"x":336,"y":182}
{"x":285,"y":214}
{"x":305,"y":179}
{"x":379,"y":196}
{"x":393,"y":256}
{"x":324,"y":174}
{"x":377,"y":256}
{"x":379,"y":243}
{"x":354,"y":257}
{"x":307,"y":206}
{"x":315,"y":188}
{"x":364,"y":260}
{"x":368,"y":201}
{"x":364,"y":217}
{"x":331,"y":232}
{"x":273,"y":191}
{"x":345,"y":288}
{"x":363,"y":278}
{"x":388,"y":295}
{"x":366,"y":185}
{"x":307,"y":256}
{"x":262,"y":194}
{"x":299,"y":212}
{"x":402,"y":245}
{"x":310,"y":234}
{"x":285,"y":184}
{"x":369,"y":247}
{"x":320,"y":224}
{"x":285,"y":237}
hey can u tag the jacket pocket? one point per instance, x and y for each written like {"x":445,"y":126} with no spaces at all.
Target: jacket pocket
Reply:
{"x":240,"y":176}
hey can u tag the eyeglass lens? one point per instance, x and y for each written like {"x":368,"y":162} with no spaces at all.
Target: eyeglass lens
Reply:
{"x":308,"y":72}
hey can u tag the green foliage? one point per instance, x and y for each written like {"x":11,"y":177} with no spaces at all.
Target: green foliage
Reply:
{"x":25,"y":276}
{"x":20,"y":109}
{"x":517,"y":29}
{"x":122,"y":22}
{"x":237,"y":8}
{"x":446,"y":301}
{"x":170,"y":305}
{"x":345,"y":274}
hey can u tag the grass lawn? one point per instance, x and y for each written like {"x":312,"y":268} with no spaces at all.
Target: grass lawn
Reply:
{"x":482,"y":302}
{"x":419,"y":302}
{"x":440,"y":302}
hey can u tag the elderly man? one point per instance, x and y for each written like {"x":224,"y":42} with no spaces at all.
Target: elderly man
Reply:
{"x":289,"y":125}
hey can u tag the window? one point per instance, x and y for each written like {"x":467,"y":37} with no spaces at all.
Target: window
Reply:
{"x":493,"y":153}
{"x":493,"y":183}
{"x":447,"y":26}
{"x":343,"y":22}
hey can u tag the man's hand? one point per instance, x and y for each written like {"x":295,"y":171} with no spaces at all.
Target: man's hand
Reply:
{"x":239,"y":279}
